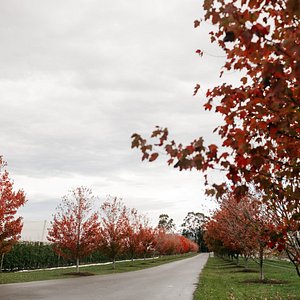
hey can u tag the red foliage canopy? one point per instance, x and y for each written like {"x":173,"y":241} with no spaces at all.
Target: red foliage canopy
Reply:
{"x":114,"y":225}
{"x":148,"y":238}
{"x":238,"y":227}
{"x":75,"y":229}
{"x":10,"y":202}
{"x":132,"y":239}
{"x":170,"y":243}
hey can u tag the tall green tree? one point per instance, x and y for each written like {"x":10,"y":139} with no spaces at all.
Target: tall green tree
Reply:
{"x":166,"y":223}
{"x":193,"y":227}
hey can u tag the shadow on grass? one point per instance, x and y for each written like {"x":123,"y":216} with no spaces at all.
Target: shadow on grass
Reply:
{"x":227,"y":266}
{"x":79,"y":274}
{"x":220,"y":265}
{"x":246,"y":271}
{"x":265,"y":281}
{"x":138,"y":267}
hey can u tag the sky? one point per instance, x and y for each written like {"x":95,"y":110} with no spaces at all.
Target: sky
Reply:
{"x":79,"y":77}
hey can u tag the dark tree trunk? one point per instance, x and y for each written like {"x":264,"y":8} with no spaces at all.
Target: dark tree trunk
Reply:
{"x":1,"y":263}
{"x":261,"y":261}
{"x":77,"y":264}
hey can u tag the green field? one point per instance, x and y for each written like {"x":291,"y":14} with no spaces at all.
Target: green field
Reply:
{"x":11,"y":277}
{"x":221,"y":279}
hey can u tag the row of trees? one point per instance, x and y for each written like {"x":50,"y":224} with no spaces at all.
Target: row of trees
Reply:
{"x":77,"y":230}
{"x":37,"y":255}
{"x":239,"y":229}
{"x":243,"y":228}
{"x":260,"y":131}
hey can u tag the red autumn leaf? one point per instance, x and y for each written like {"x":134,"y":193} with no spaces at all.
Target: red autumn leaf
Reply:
{"x":207,"y":106}
{"x":199,"y":52}
{"x":213,"y":150}
{"x":196,"y":23}
{"x":153,"y":157}
{"x":170,"y":161}
{"x":197,"y":87}
{"x":244,"y":80}
{"x":259,"y":30}
{"x":190,"y":149}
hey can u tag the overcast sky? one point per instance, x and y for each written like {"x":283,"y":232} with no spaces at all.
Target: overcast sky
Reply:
{"x":79,"y":77}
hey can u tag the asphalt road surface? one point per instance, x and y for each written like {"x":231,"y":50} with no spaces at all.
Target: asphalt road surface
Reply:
{"x":174,"y":281}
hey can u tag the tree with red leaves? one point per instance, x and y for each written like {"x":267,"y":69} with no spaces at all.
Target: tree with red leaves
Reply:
{"x":186,"y":245}
{"x":114,"y":225}
{"x":10,"y":202}
{"x":167,"y":243}
{"x":75,"y":229}
{"x":283,"y":233}
{"x":148,"y":238}
{"x":170,"y":243}
{"x":239,"y":228}
{"x":132,"y":236}
{"x":261,"y":132}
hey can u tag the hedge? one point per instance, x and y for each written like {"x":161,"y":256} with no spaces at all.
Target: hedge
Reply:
{"x":38,"y":255}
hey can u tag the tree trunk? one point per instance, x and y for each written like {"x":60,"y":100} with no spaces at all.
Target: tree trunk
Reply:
{"x":114,"y":263}
{"x":293,"y":260}
{"x":132,"y":259}
{"x":77,"y":264}
{"x":246,"y":262}
{"x":261,"y":261}
{"x":1,"y":263}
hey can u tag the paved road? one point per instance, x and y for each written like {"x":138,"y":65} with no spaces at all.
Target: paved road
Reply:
{"x":174,"y":281}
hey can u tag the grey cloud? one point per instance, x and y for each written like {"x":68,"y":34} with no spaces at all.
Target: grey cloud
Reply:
{"x":79,"y":77}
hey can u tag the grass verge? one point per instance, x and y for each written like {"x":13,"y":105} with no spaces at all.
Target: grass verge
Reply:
{"x":127,"y":266}
{"x":222,"y":279}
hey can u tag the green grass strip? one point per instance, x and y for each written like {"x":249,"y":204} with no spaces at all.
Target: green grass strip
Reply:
{"x":221,"y":279}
